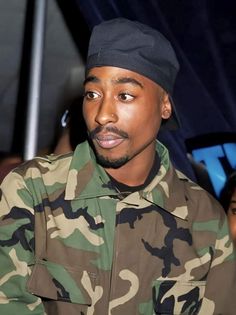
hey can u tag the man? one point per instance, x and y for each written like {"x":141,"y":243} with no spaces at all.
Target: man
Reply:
{"x":114,"y":229}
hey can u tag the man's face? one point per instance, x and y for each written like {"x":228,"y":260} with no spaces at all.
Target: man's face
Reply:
{"x":232,"y":215}
{"x":123,"y":112}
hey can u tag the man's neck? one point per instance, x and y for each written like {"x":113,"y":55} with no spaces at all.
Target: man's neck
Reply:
{"x":134,"y":172}
{"x":126,"y":189}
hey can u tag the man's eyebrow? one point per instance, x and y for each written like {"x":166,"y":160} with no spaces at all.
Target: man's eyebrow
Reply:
{"x":121,"y":80}
{"x":232,"y":201}
{"x":91,"y":78}
{"x":128,"y":80}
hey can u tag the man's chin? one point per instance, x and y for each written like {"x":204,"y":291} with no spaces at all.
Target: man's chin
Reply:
{"x":108,"y":163}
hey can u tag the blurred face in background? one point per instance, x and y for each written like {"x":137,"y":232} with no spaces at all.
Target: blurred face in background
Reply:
{"x":232,"y":215}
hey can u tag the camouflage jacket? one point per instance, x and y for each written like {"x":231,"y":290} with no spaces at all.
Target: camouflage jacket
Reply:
{"x":71,"y":245}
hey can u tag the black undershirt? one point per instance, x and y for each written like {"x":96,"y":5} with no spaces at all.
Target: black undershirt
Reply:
{"x":126,"y":190}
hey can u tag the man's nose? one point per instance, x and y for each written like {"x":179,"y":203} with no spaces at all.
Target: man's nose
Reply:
{"x":106,"y":112}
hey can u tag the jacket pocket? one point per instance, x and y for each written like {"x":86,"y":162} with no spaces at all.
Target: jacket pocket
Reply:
{"x":176,"y":297}
{"x":52,"y":281}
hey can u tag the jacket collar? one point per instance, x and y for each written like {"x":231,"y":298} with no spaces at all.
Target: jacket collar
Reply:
{"x":167,"y":190}
{"x":87,"y":179}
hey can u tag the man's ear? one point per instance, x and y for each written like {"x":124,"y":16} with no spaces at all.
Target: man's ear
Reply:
{"x":166,"y":108}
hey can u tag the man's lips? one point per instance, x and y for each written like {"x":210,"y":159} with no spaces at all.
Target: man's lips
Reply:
{"x":108,"y":141}
{"x":108,"y":137}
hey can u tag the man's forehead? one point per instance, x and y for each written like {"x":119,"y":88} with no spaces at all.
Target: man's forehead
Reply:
{"x":113,"y":69}
{"x":117,"y":75}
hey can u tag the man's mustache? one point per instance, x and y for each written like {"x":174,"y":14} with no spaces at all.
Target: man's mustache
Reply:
{"x":114,"y":130}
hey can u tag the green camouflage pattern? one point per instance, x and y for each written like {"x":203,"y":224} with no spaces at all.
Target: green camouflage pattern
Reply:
{"x":71,"y":244}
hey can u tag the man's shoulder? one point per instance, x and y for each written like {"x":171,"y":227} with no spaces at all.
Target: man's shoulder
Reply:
{"x":199,"y":200}
{"x":50,"y":166}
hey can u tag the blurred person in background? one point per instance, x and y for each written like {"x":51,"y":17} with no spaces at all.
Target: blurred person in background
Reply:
{"x":8,"y":161}
{"x":71,"y":128}
{"x":228,"y":201}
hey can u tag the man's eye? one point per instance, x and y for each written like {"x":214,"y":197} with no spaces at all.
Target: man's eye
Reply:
{"x":91,"y":95}
{"x":233,"y":210}
{"x":126,"y":97}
